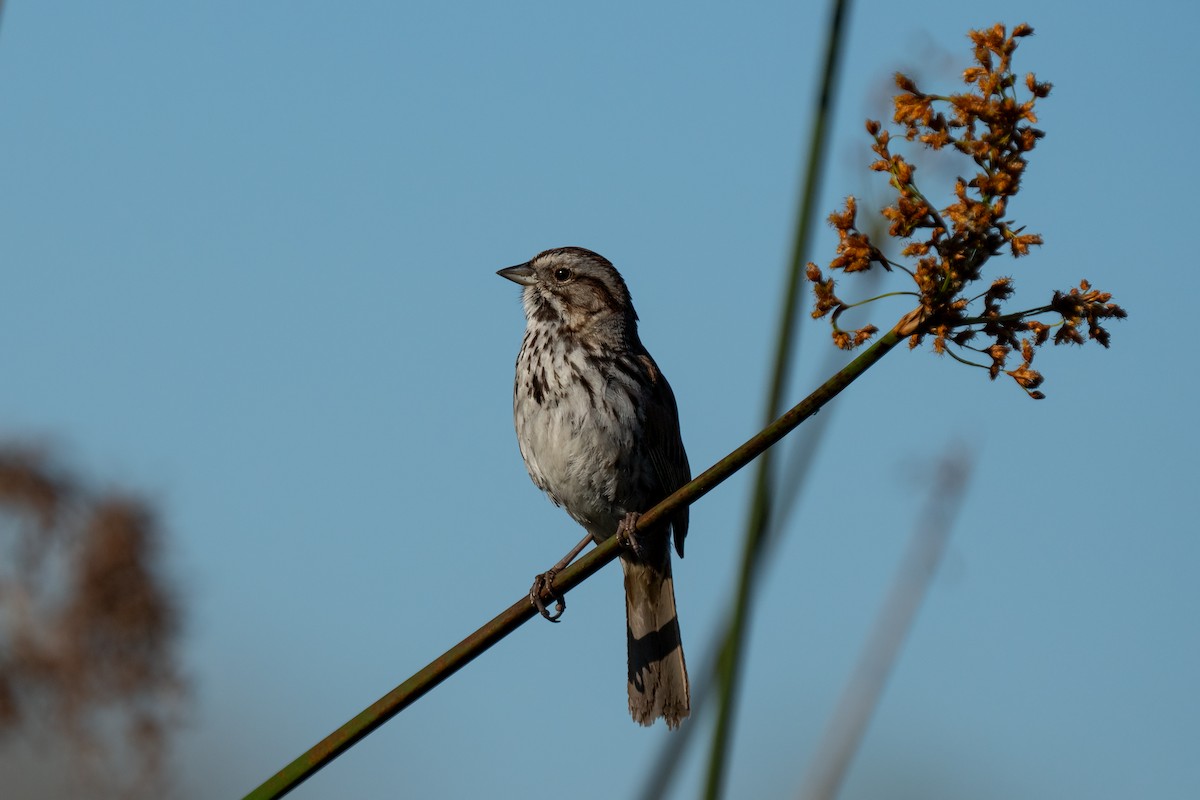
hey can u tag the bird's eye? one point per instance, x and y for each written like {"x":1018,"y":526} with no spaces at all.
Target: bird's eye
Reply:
{"x":561,"y":274}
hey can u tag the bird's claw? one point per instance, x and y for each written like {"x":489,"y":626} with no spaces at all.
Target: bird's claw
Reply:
{"x":628,"y":536}
{"x":542,"y":583}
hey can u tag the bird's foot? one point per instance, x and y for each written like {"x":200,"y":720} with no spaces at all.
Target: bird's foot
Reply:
{"x":545,"y":583}
{"x":628,"y":536}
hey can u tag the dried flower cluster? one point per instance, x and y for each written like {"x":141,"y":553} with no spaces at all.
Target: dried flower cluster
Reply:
{"x":948,"y":248}
{"x":88,"y":631}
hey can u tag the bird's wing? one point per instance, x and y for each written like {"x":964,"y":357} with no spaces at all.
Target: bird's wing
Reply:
{"x":665,"y":445}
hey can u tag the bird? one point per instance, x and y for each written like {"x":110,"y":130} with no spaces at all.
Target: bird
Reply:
{"x":598,"y":429}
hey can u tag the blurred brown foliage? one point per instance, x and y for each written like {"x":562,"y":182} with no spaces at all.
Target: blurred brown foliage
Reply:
{"x":88,"y":627}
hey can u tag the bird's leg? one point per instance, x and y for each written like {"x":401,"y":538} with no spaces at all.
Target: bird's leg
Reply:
{"x":545,"y":583}
{"x":627,"y":535}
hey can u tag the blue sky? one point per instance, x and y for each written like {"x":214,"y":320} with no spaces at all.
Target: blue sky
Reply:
{"x":249,"y":256}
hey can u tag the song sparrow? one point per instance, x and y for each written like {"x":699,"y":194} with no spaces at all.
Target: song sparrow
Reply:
{"x":599,"y":431}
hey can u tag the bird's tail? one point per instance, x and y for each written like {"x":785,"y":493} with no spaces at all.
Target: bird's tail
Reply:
{"x":658,"y":682}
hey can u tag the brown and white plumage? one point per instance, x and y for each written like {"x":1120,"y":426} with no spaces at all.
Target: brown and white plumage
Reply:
{"x":598,"y":429}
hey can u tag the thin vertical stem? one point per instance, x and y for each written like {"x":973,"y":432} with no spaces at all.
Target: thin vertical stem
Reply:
{"x":760,"y":508}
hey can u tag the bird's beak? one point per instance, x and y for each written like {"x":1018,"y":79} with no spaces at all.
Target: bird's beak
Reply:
{"x":521,"y":273}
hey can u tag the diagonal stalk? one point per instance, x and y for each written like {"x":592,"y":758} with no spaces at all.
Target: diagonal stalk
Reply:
{"x":454,"y":659}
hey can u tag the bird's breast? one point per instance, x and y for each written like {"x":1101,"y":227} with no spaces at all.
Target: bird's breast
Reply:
{"x":578,"y":428}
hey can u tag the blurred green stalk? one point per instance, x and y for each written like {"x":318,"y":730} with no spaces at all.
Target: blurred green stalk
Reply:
{"x":758,"y":518}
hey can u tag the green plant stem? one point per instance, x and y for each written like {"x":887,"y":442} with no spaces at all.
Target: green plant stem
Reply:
{"x":1016,"y":315}
{"x":521,"y":611}
{"x":759,"y":515}
{"x":948,"y":351}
